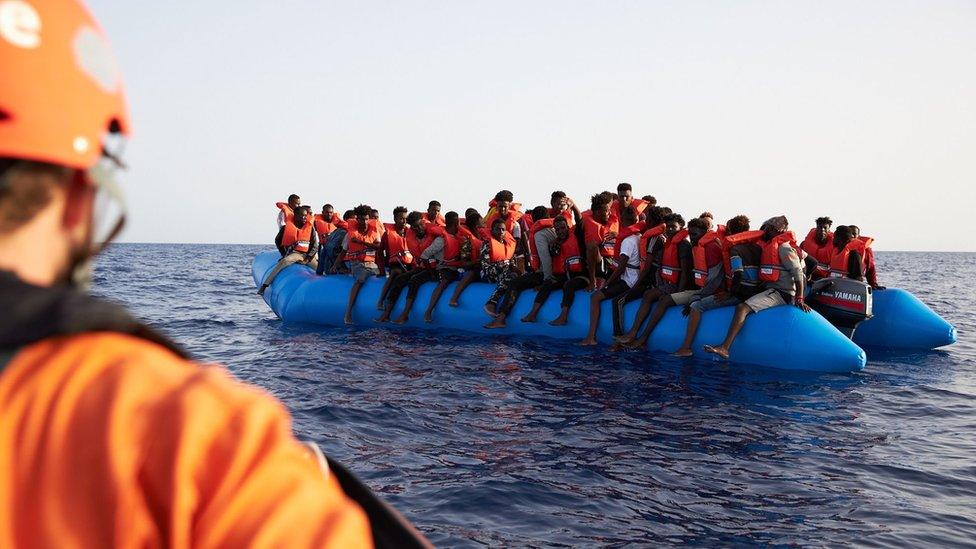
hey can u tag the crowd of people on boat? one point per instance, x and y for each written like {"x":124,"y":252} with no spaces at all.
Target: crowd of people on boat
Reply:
{"x":621,"y":249}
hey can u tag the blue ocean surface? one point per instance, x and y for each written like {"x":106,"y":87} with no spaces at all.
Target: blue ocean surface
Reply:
{"x":505,"y":441}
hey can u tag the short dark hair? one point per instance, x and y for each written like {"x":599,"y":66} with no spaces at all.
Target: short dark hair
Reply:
{"x":468,"y":211}
{"x":414,"y":218}
{"x":706,"y":214}
{"x":557,"y":194}
{"x":540,"y":212}
{"x":504,"y":196}
{"x":451,"y":217}
{"x":433,"y":203}
{"x":26,"y":188}
{"x":293,"y":197}
{"x":328,"y":206}
{"x":824,"y":221}
{"x":348,"y":214}
{"x":675,"y":218}
{"x":600,"y":199}
{"x":649,"y":199}
{"x":854,"y":229}
{"x":497,"y":221}
{"x":666,"y":211}
{"x":736,"y":225}
{"x":374,"y":211}
{"x":624,"y":187}
{"x":630,"y":212}
{"x":362,"y":210}
{"x":471,"y":218}
{"x":560,"y":219}
{"x":698,"y":223}
{"x":654,"y":216}
{"x":398,"y":210}
{"x":843,"y":232}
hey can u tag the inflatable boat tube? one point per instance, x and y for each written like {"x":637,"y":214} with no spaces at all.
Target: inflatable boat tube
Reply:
{"x":901,"y":321}
{"x":782,"y":337}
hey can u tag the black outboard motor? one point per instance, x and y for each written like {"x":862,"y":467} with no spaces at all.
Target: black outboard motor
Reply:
{"x":844,"y":302}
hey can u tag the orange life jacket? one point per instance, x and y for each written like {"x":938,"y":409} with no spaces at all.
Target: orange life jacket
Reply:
{"x":607,"y":243}
{"x":769,"y":264}
{"x":838,"y":263}
{"x":361,"y":253}
{"x":324,"y":227}
{"x":398,"y":246}
{"x":711,"y":238}
{"x":533,"y":252}
{"x":452,"y":249}
{"x":670,"y":264}
{"x":510,"y":220}
{"x":465,"y":233}
{"x":501,"y":252}
{"x":569,"y":259}
{"x":820,"y":252}
{"x":437,"y":221}
{"x":286,"y":209}
{"x":729,"y":242}
{"x":646,"y":237}
{"x":637,"y":204}
{"x":567,"y":213}
{"x":624,"y":233}
{"x":298,"y":239}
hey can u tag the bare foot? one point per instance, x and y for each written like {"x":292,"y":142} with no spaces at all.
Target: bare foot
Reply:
{"x":494,"y":324}
{"x":684,"y":353}
{"x":558,"y":321}
{"x":618,"y":347}
{"x":400,"y":320}
{"x":428,"y":318}
{"x":382,"y":319}
{"x":490,"y":309}
{"x":348,"y":320}
{"x":636,"y":344}
{"x":528,"y":318}
{"x":452,"y":303}
{"x":379,"y":306}
{"x":623,"y":338}
{"x":717,"y":350}
{"x":588,"y":342}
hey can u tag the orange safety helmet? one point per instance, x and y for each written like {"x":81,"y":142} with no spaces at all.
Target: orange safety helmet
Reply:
{"x":60,"y":87}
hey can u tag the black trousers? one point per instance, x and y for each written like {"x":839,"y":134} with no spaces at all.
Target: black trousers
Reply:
{"x":568,"y":286}
{"x":429,"y":275}
{"x":515,"y":287}
{"x":633,"y":294}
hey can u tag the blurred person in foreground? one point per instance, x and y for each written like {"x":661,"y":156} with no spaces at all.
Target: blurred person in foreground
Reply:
{"x":112,"y":436}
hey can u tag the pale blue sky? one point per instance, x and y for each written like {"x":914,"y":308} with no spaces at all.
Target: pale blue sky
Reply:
{"x":864,"y":111}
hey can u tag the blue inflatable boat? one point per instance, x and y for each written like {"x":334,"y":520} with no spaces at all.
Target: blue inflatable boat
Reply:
{"x":782,"y":337}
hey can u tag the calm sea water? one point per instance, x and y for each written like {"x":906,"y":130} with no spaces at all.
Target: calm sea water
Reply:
{"x":513,"y":442}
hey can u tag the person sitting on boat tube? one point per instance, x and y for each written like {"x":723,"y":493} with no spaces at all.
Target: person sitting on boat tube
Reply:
{"x":626,"y":269}
{"x":439,"y":261}
{"x":600,"y":238}
{"x":712,"y":275}
{"x":472,"y":235}
{"x":296,"y":242}
{"x":677,"y":276}
{"x":782,"y":274}
{"x":533,"y":221}
{"x":287,"y":209}
{"x":563,"y":266}
{"x":418,"y":239}
{"x":849,"y":252}
{"x":818,"y":247}
{"x":652,"y":227}
{"x":497,"y":252}
{"x":560,"y":204}
{"x":503,"y":207}
{"x":112,"y":435}
{"x":361,"y":245}
{"x":397,"y":257}
{"x":870,"y":269}
{"x":454,"y":255}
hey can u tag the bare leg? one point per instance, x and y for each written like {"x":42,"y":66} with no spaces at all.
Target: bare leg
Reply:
{"x":663,"y":304}
{"x":353,"y":294}
{"x":434,"y":298}
{"x":694,"y":319}
{"x":386,"y":288}
{"x":405,"y":315}
{"x":595,"y":301}
{"x":738,"y":319}
{"x":531,"y":317}
{"x":650,"y":297}
{"x":562,"y":319}
{"x":498,"y":322}
{"x":465,"y":282}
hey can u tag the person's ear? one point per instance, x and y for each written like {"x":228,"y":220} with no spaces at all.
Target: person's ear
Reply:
{"x":79,"y":202}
